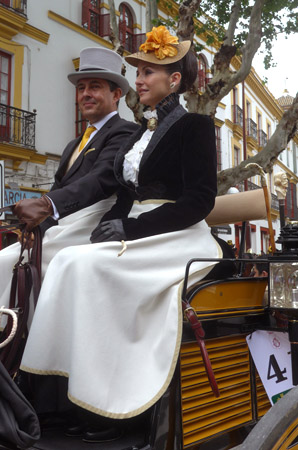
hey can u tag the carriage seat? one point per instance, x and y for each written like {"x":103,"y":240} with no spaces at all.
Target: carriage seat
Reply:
{"x":233,"y":208}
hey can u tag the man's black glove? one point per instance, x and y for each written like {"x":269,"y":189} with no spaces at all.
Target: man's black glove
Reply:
{"x":111,"y":230}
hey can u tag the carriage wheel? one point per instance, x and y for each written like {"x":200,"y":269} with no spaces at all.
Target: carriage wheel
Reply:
{"x":278,"y":429}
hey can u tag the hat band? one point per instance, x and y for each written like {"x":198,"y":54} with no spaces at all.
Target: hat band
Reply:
{"x":88,"y":70}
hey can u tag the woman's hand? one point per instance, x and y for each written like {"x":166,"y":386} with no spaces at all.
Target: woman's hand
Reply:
{"x":111,"y":230}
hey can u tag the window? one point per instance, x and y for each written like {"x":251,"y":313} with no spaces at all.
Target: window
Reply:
{"x":294,"y":149}
{"x":259,"y":124}
{"x":218,"y":147}
{"x":235,"y":96}
{"x":248,"y":110}
{"x":264,"y":239}
{"x":5,"y":81}
{"x":237,"y":111}
{"x":236,"y":156}
{"x":268,"y":130}
{"x":290,"y":201}
{"x":126,"y":28}
{"x":5,"y":69}
{"x":288,"y":156}
{"x":202,"y":73}
{"x":93,"y":20}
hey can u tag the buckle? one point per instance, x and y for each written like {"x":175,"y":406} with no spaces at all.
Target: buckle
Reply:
{"x":189,"y":308}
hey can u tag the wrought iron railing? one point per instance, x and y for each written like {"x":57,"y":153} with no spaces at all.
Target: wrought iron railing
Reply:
{"x":237,"y":115}
{"x":251,"y":129}
{"x":19,"y":6}
{"x":250,"y":186}
{"x":262,"y":138}
{"x":17,"y":126}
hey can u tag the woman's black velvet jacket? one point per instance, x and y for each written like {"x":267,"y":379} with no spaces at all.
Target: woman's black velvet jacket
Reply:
{"x":178,"y":164}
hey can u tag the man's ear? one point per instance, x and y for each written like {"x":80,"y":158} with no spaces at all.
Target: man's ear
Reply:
{"x":117,"y":94}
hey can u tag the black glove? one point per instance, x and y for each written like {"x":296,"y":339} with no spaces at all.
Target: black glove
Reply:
{"x":111,"y":230}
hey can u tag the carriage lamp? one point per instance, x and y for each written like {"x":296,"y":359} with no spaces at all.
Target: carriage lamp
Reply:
{"x":284,"y":285}
{"x":283,"y":276}
{"x":284,"y":270}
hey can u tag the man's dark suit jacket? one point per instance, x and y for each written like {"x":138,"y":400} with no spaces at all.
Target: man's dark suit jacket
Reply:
{"x":91,"y":177}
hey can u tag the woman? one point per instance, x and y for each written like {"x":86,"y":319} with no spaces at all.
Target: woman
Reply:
{"x":109,"y":317}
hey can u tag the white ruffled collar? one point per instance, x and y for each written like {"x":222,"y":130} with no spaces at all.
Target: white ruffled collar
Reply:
{"x":150,"y":114}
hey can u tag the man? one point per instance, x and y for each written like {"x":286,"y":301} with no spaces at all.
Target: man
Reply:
{"x":84,"y":183}
{"x":260,"y":269}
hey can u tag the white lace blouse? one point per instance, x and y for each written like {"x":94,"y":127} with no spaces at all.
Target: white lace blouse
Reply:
{"x":133,"y":157}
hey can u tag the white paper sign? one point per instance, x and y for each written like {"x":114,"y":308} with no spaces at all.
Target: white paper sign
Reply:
{"x":271,"y":353}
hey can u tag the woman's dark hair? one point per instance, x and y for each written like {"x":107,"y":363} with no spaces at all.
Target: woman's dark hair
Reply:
{"x":188,"y":67}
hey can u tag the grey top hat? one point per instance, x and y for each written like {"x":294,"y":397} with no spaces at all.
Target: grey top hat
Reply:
{"x":96,"y":62}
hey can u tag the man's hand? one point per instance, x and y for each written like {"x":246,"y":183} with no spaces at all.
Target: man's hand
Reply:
{"x":27,"y":239}
{"x":108,"y":231}
{"x":33,"y":211}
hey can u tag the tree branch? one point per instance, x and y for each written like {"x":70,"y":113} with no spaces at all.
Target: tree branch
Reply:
{"x":234,"y":17}
{"x":284,"y":132}
{"x":253,"y":40}
{"x":185,"y":28}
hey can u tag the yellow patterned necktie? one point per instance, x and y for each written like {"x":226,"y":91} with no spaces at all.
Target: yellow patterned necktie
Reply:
{"x":85,"y":137}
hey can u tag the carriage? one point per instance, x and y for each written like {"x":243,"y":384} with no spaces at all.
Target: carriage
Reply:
{"x":229,"y":308}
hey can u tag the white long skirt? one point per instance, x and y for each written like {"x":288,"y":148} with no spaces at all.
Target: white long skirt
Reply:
{"x":112,"y":324}
{"x":74,"y":229}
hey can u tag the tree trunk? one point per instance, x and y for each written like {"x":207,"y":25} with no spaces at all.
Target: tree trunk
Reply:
{"x":151,"y":13}
{"x":114,"y":35}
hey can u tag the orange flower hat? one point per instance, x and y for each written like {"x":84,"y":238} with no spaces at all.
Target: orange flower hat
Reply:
{"x":159,"y":48}
{"x":160,"y":41}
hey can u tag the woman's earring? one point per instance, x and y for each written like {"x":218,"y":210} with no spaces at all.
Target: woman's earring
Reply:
{"x":172,"y":85}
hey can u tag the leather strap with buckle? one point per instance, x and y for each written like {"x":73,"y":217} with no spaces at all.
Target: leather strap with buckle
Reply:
{"x":199,"y":333}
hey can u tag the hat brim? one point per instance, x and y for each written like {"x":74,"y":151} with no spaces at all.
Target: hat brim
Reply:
{"x":150,"y":57}
{"x":120,"y":80}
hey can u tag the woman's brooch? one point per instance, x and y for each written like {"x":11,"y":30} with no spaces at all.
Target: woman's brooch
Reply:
{"x":152,"y":123}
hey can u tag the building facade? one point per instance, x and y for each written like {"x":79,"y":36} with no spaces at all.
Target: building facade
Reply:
{"x":40,"y":43}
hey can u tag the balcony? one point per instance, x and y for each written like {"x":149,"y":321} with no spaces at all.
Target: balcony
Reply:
{"x":18,"y":6}
{"x":250,"y":186}
{"x":237,"y":115}
{"x":17,"y":126}
{"x":262,"y":138}
{"x":93,"y":20}
{"x":251,"y":129}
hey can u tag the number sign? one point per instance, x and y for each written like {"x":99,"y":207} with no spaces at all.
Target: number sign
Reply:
{"x":271,"y":352}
